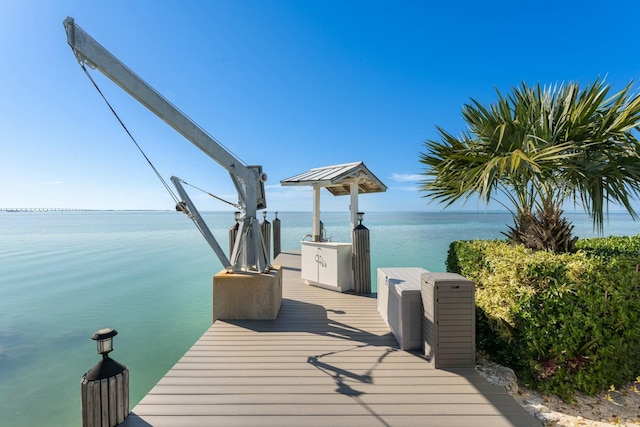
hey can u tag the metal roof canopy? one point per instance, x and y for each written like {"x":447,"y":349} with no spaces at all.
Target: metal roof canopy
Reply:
{"x":338,"y":179}
{"x":341,"y":180}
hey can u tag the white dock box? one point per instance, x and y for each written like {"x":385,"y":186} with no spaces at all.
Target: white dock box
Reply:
{"x":400,"y":304}
{"x":327,"y":265}
{"x":449,"y":322}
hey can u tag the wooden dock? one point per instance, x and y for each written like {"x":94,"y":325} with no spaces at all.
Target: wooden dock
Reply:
{"x":328,"y":360}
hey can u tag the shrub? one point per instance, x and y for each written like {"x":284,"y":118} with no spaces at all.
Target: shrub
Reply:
{"x":564,"y":322}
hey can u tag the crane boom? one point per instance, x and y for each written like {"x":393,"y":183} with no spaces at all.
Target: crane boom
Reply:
{"x":248,"y":180}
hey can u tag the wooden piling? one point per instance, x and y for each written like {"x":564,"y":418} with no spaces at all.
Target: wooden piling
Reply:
{"x":233,"y":234}
{"x":361,"y":260}
{"x":276,"y":237}
{"x":265,"y":227}
{"x":105,"y":401}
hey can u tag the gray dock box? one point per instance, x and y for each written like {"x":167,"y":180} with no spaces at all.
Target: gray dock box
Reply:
{"x":448,"y":322}
{"x":400,"y":304}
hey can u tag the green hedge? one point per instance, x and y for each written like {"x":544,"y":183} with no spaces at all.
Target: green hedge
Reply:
{"x":563,"y":322}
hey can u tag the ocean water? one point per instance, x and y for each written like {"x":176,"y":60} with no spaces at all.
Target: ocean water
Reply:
{"x":64,"y":275}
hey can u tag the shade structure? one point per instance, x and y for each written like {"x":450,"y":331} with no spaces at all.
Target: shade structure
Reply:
{"x":345,"y":179}
{"x":337,"y":179}
{"x":340,"y":180}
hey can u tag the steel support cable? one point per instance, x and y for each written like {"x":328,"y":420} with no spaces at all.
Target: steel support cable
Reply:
{"x":235,"y":205}
{"x":166,"y":186}
{"x":180,"y":205}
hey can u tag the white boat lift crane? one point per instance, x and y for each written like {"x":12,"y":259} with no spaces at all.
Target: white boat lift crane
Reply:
{"x":249,"y":252}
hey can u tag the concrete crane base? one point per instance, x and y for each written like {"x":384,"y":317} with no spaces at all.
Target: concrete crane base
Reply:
{"x":247,"y":296}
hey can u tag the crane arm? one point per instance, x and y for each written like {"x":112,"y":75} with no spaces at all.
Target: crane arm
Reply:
{"x":89,"y":51}
{"x":248,"y":180}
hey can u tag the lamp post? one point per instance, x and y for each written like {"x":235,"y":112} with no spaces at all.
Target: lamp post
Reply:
{"x":105,"y":388}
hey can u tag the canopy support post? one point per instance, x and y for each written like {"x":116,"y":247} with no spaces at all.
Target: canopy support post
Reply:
{"x":354,"y":204}
{"x":316,"y":213}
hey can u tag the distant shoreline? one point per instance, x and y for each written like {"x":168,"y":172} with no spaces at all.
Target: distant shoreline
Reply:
{"x":19,"y":210}
{"x":441,"y":211}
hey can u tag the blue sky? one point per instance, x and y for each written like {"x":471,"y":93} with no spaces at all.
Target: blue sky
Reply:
{"x":289,"y":85}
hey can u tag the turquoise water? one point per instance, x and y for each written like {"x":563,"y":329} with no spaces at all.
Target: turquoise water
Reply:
{"x":64,"y":275}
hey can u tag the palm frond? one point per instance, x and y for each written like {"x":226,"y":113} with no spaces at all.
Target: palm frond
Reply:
{"x":541,"y":145}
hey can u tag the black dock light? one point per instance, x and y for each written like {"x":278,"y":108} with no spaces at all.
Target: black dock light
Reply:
{"x":104,"y":338}
{"x":105,"y":388}
{"x":360,"y":217}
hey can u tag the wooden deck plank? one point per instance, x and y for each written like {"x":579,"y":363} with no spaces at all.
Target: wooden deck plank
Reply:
{"x":316,"y":399}
{"x":309,"y":380}
{"x":369,"y":420}
{"x":328,"y":359}
{"x":293,"y":373}
{"x":345,"y":387}
{"x":354,"y":408}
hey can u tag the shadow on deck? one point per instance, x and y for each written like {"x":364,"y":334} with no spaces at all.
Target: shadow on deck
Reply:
{"x":328,"y":359}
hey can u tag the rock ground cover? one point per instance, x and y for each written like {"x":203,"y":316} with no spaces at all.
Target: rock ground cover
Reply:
{"x":615,"y":407}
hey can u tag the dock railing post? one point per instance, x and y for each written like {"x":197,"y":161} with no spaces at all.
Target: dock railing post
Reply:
{"x":105,"y":388}
{"x":361,"y":258}
{"x":276,"y":236}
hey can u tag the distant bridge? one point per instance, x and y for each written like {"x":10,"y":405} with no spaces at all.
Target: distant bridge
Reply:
{"x":41,"y":209}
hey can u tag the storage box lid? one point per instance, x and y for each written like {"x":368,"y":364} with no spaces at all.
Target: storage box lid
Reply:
{"x":405,"y":287}
{"x":446,"y":279}
{"x":403,"y":279}
{"x":403,"y":273}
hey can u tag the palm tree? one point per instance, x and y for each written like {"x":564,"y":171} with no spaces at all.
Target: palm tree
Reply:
{"x":540,"y":147}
